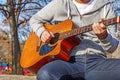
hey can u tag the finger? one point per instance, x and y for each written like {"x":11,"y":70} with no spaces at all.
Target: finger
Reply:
{"x":45,"y":36}
{"x":52,"y":35}
{"x":103,"y":19}
{"x":99,"y":27}
{"x":102,"y":26}
{"x":48,"y":36}
{"x":95,"y":28}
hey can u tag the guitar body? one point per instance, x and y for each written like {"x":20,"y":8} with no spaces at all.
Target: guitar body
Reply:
{"x":64,"y":54}
{"x":34,"y":58}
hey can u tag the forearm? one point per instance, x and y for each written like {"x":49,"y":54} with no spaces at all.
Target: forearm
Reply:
{"x":36,"y":26}
{"x":109,"y":44}
{"x":46,"y":14}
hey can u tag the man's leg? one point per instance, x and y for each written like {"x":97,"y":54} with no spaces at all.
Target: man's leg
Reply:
{"x":56,"y":69}
{"x":108,"y":69}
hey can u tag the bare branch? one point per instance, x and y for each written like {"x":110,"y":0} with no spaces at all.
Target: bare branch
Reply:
{"x":23,"y":21}
{"x":5,"y":13}
{"x":3,"y":5}
{"x":33,"y":9}
{"x":28,"y":3}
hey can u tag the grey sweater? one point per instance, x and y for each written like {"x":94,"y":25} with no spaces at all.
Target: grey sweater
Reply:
{"x":60,"y":10}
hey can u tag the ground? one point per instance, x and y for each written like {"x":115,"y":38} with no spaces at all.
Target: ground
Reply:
{"x":17,"y":77}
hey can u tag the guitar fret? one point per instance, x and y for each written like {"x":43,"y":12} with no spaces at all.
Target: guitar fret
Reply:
{"x":76,"y":31}
{"x":82,"y":29}
{"x":110,"y":21}
{"x":88,"y":28}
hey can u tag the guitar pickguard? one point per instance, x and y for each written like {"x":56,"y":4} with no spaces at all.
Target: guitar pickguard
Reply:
{"x":46,"y":48}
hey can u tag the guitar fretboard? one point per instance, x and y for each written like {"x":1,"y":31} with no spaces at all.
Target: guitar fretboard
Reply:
{"x":84,"y":29}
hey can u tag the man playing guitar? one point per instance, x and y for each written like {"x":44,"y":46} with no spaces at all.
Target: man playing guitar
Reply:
{"x":88,"y":59}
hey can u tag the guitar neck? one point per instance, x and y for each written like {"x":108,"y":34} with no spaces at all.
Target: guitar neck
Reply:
{"x":87,"y":28}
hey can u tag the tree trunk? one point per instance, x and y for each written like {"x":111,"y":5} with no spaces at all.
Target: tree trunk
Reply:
{"x":15,"y":46}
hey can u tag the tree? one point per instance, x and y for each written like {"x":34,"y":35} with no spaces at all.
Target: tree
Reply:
{"x":16,"y":14}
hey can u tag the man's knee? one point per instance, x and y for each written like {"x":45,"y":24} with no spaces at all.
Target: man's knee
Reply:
{"x":45,"y":75}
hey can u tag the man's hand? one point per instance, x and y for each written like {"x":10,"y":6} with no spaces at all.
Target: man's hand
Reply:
{"x":46,"y":36}
{"x":100,"y":30}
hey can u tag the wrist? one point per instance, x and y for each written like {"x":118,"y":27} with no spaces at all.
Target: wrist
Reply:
{"x":103,"y":36}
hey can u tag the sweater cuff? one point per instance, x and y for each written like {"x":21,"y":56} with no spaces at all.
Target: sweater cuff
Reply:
{"x":39,"y":31}
{"x":109,"y":44}
{"x":107,"y":39}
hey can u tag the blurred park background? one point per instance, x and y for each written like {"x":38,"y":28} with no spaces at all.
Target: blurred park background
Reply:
{"x":14,"y":30}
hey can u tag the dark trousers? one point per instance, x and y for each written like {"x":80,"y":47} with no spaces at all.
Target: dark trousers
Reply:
{"x":83,"y":67}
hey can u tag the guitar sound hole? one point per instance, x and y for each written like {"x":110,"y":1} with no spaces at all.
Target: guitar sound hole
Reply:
{"x":55,"y":39}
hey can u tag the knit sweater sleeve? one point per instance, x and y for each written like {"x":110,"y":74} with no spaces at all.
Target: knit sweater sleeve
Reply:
{"x":110,"y":43}
{"x":44,"y":15}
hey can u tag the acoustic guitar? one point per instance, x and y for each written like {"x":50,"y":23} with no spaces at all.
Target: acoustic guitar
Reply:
{"x":35,"y":53}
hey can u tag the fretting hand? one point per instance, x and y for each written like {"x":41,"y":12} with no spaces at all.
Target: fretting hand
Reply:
{"x":100,"y":30}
